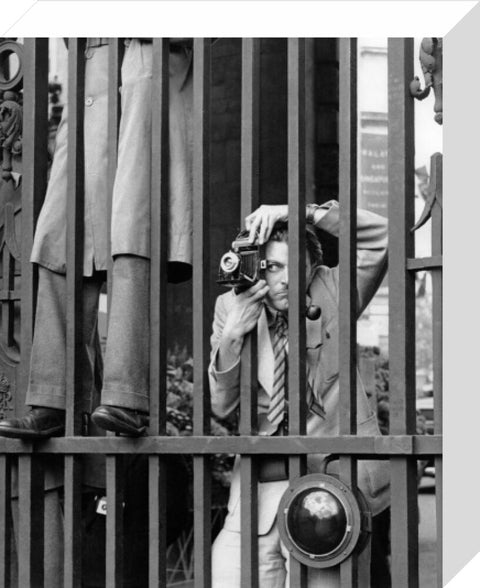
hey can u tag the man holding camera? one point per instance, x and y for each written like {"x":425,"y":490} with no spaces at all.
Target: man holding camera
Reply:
{"x":265,"y":306}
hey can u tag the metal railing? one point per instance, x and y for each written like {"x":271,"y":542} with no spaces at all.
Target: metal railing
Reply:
{"x":403,"y":447}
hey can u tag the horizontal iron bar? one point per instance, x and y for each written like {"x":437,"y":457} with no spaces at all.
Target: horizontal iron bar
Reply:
{"x":10,"y":295}
{"x":417,"y":445}
{"x":419,"y":264}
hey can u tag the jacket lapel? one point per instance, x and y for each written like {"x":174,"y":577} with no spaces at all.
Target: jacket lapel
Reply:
{"x":314,"y":346}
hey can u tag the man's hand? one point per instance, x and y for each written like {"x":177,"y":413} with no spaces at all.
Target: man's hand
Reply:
{"x":241,"y":319}
{"x":244,"y":315}
{"x":263,"y":219}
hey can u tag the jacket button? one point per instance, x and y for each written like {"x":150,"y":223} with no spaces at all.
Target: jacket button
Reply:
{"x":88,"y":101}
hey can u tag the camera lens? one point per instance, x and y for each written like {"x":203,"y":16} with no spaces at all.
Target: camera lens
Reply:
{"x":229,"y":262}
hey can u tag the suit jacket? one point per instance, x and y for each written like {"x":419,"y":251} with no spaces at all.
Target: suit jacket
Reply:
{"x":322,"y":369}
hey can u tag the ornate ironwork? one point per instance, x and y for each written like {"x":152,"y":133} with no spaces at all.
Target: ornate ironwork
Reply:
{"x":431,"y":192}
{"x":11,"y":122}
{"x":11,"y":119}
{"x":8,"y":81}
{"x":11,"y":116}
{"x":6,"y":397}
{"x":430,"y":55}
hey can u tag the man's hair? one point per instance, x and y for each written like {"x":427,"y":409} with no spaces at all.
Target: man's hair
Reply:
{"x":314,"y":247}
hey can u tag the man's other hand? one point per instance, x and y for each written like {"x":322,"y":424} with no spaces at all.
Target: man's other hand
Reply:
{"x":245,"y":312}
{"x":241,"y":319}
{"x":263,"y":219}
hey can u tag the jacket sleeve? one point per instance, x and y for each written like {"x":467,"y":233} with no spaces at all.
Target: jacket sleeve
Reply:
{"x":372,"y":235}
{"x":224,"y":385}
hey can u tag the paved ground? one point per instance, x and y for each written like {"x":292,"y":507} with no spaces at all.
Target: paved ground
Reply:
{"x":427,"y":535}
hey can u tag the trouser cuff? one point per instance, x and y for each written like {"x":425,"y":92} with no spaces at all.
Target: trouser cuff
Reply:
{"x":126,"y":399}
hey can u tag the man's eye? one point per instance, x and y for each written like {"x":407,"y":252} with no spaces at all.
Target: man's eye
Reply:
{"x":273,"y":267}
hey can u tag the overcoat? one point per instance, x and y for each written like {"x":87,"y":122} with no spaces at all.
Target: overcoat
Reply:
{"x":322,"y":371}
{"x":131,"y":194}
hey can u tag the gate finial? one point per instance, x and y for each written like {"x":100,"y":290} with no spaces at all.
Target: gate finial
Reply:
{"x":430,"y":55}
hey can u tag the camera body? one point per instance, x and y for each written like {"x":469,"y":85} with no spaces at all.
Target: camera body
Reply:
{"x":243,"y":265}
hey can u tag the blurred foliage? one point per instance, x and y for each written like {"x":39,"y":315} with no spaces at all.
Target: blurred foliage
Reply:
{"x":382,"y":391}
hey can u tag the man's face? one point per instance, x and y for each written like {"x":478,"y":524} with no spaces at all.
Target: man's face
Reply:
{"x":276,"y":274}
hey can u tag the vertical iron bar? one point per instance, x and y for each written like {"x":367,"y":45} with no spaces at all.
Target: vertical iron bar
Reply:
{"x":248,"y":377}
{"x":158,"y":307}
{"x":347,"y":241}
{"x":113,"y":464}
{"x":401,"y":149}
{"x":310,"y":128}
{"x":75,"y":232}
{"x":31,"y":506}
{"x":201,"y":318}
{"x":34,"y":182}
{"x":250,"y":176}
{"x":436,"y":166}
{"x":8,"y":284}
{"x":5,"y":520}
{"x":348,"y":272}
{"x":439,"y":519}
{"x":115,"y":55}
{"x":296,"y":267}
{"x":114,"y":523}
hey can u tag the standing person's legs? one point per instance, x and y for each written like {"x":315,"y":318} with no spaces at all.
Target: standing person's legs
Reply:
{"x":125,"y":393}
{"x":47,"y":385}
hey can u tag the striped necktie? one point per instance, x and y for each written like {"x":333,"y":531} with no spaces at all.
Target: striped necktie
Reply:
{"x":277,"y":401}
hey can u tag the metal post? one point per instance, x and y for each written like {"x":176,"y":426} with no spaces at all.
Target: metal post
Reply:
{"x":75,"y":231}
{"x":248,"y":376}
{"x":296,"y":267}
{"x":201,"y":322}
{"x":404,"y":507}
{"x":158,"y":307}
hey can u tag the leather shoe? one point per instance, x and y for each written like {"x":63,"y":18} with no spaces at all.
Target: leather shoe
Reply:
{"x":120,"y":420}
{"x":39,"y":423}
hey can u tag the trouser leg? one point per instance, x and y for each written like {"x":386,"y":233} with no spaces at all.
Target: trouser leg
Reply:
{"x":226,"y":562}
{"x":127,"y":361}
{"x":47,"y":384}
{"x":273,"y":560}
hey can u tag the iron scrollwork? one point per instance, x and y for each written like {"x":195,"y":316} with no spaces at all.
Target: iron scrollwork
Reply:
{"x":11,"y":127}
{"x":432,"y":192}
{"x":10,"y":131}
{"x":11,"y":116}
{"x":431,"y":51}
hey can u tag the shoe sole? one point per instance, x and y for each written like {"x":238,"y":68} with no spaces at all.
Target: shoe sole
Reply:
{"x":110,"y":423}
{"x":32,"y":435}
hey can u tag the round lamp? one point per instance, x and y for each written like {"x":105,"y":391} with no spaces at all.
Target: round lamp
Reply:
{"x":322,"y":521}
